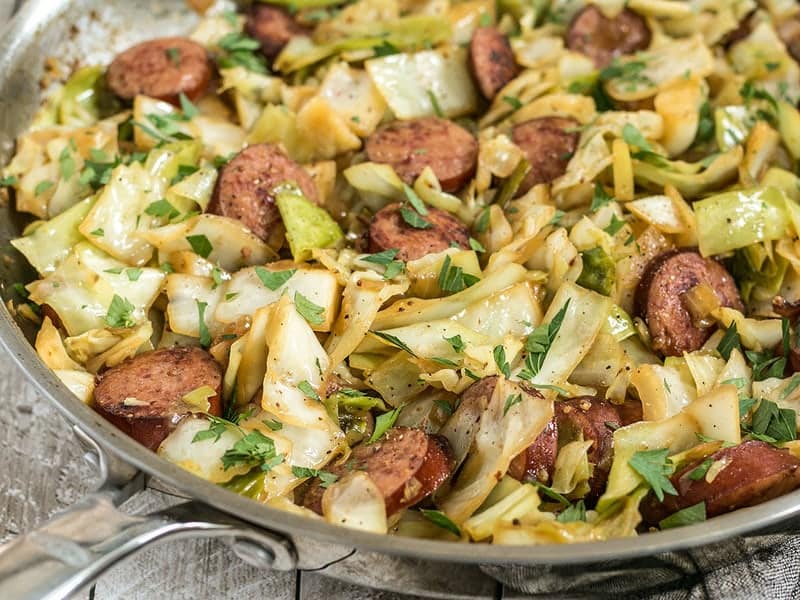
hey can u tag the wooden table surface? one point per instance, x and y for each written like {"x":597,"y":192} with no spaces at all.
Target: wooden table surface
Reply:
{"x":42,"y":470}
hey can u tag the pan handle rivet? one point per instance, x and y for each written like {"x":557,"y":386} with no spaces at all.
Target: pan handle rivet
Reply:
{"x":254,"y":554}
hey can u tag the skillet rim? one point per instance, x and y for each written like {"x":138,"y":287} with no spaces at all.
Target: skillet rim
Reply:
{"x":33,"y":21}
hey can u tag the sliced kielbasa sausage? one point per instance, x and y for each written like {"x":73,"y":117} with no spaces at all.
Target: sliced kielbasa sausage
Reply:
{"x":406,"y":465}
{"x":409,"y":146}
{"x":548,"y":144}
{"x":142,"y":396}
{"x":592,"y":419}
{"x":245,"y":188}
{"x":491,"y":60}
{"x":388,"y":230}
{"x":537,"y":462}
{"x":273,"y":27}
{"x":660,"y":298}
{"x":751,"y":473}
{"x":602,"y":38}
{"x":162,"y":68}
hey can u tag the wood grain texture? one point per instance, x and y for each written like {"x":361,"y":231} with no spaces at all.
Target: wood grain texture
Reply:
{"x":42,"y":470}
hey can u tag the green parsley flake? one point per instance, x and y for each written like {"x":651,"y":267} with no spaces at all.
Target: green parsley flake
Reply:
{"x":383,"y":423}
{"x":312,"y":313}
{"x":440,"y":519}
{"x":205,"y":336}
{"x":655,"y":468}
{"x":200,"y":245}
{"x":120,"y":313}
{"x":273,"y":280}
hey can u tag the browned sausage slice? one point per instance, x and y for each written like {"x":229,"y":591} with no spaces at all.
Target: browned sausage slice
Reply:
{"x":142,"y":396}
{"x":273,"y":27}
{"x":593,"y":419}
{"x":162,"y":68}
{"x":548,"y":144}
{"x":538,"y":461}
{"x":406,"y":465}
{"x":491,"y":60}
{"x":410,"y":146}
{"x":753,"y":472}
{"x":245,"y":188}
{"x":660,"y":298}
{"x":388,"y":230}
{"x":602,"y":39}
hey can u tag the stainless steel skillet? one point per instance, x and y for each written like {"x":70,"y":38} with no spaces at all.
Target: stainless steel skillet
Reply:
{"x":78,"y":545}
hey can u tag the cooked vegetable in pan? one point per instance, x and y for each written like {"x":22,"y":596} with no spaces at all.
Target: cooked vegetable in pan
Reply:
{"x":519,"y":273}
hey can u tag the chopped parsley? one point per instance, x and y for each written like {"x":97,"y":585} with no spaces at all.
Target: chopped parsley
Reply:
{"x":326,"y":478}
{"x":511,"y":400}
{"x":274,"y":279}
{"x":456,"y":343}
{"x":600,"y":197}
{"x":383,"y":423}
{"x":394,"y":341}
{"x":205,"y":336}
{"x":440,"y":519}
{"x":538,"y":343}
{"x":437,"y":108}
{"x":308,"y":390}
{"x":312,"y":313}
{"x":655,"y":468}
{"x":691,"y":514}
{"x":634,"y":137}
{"x":240,"y":50}
{"x":200,"y":245}
{"x":453,"y":278}
{"x":161,"y":208}
{"x":500,"y":360}
{"x":729,"y":341}
{"x":120,"y":313}
{"x":393,"y":267}
{"x":255,"y":450}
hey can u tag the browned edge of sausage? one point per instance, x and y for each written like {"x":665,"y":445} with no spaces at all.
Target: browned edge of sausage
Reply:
{"x":789,"y":31}
{"x":409,"y":146}
{"x":603,"y":39}
{"x":537,"y":462}
{"x":406,"y":465}
{"x":142,"y":395}
{"x":755,"y":472}
{"x":272,"y":27}
{"x":593,"y":419}
{"x":388,"y":230}
{"x":659,"y":298}
{"x":743,"y":31}
{"x":161,"y":68}
{"x":245,"y":189}
{"x":491,"y":60}
{"x":548,"y":144}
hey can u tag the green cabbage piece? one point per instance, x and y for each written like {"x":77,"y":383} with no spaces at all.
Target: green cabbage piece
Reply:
{"x":733,"y":220}
{"x":758,"y":273}
{"x":52,"y":241}
{"x":308,"y":226}
{"x":598,"y":272}
{"x":691,"y":181}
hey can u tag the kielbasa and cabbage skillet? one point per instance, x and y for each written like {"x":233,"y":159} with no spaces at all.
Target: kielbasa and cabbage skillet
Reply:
{"x":514,"y":274}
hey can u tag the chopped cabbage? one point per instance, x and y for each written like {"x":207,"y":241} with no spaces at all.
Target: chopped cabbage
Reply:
{"x":51,"y":242}
{"x":425,"y":83}
{"x":503,"y":432}
{"x":247,"y":291}
{"x":232,"y":245}
{"x":737,"y":219}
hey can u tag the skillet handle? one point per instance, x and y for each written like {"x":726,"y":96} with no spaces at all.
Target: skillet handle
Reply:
{"x":72,"y":549}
